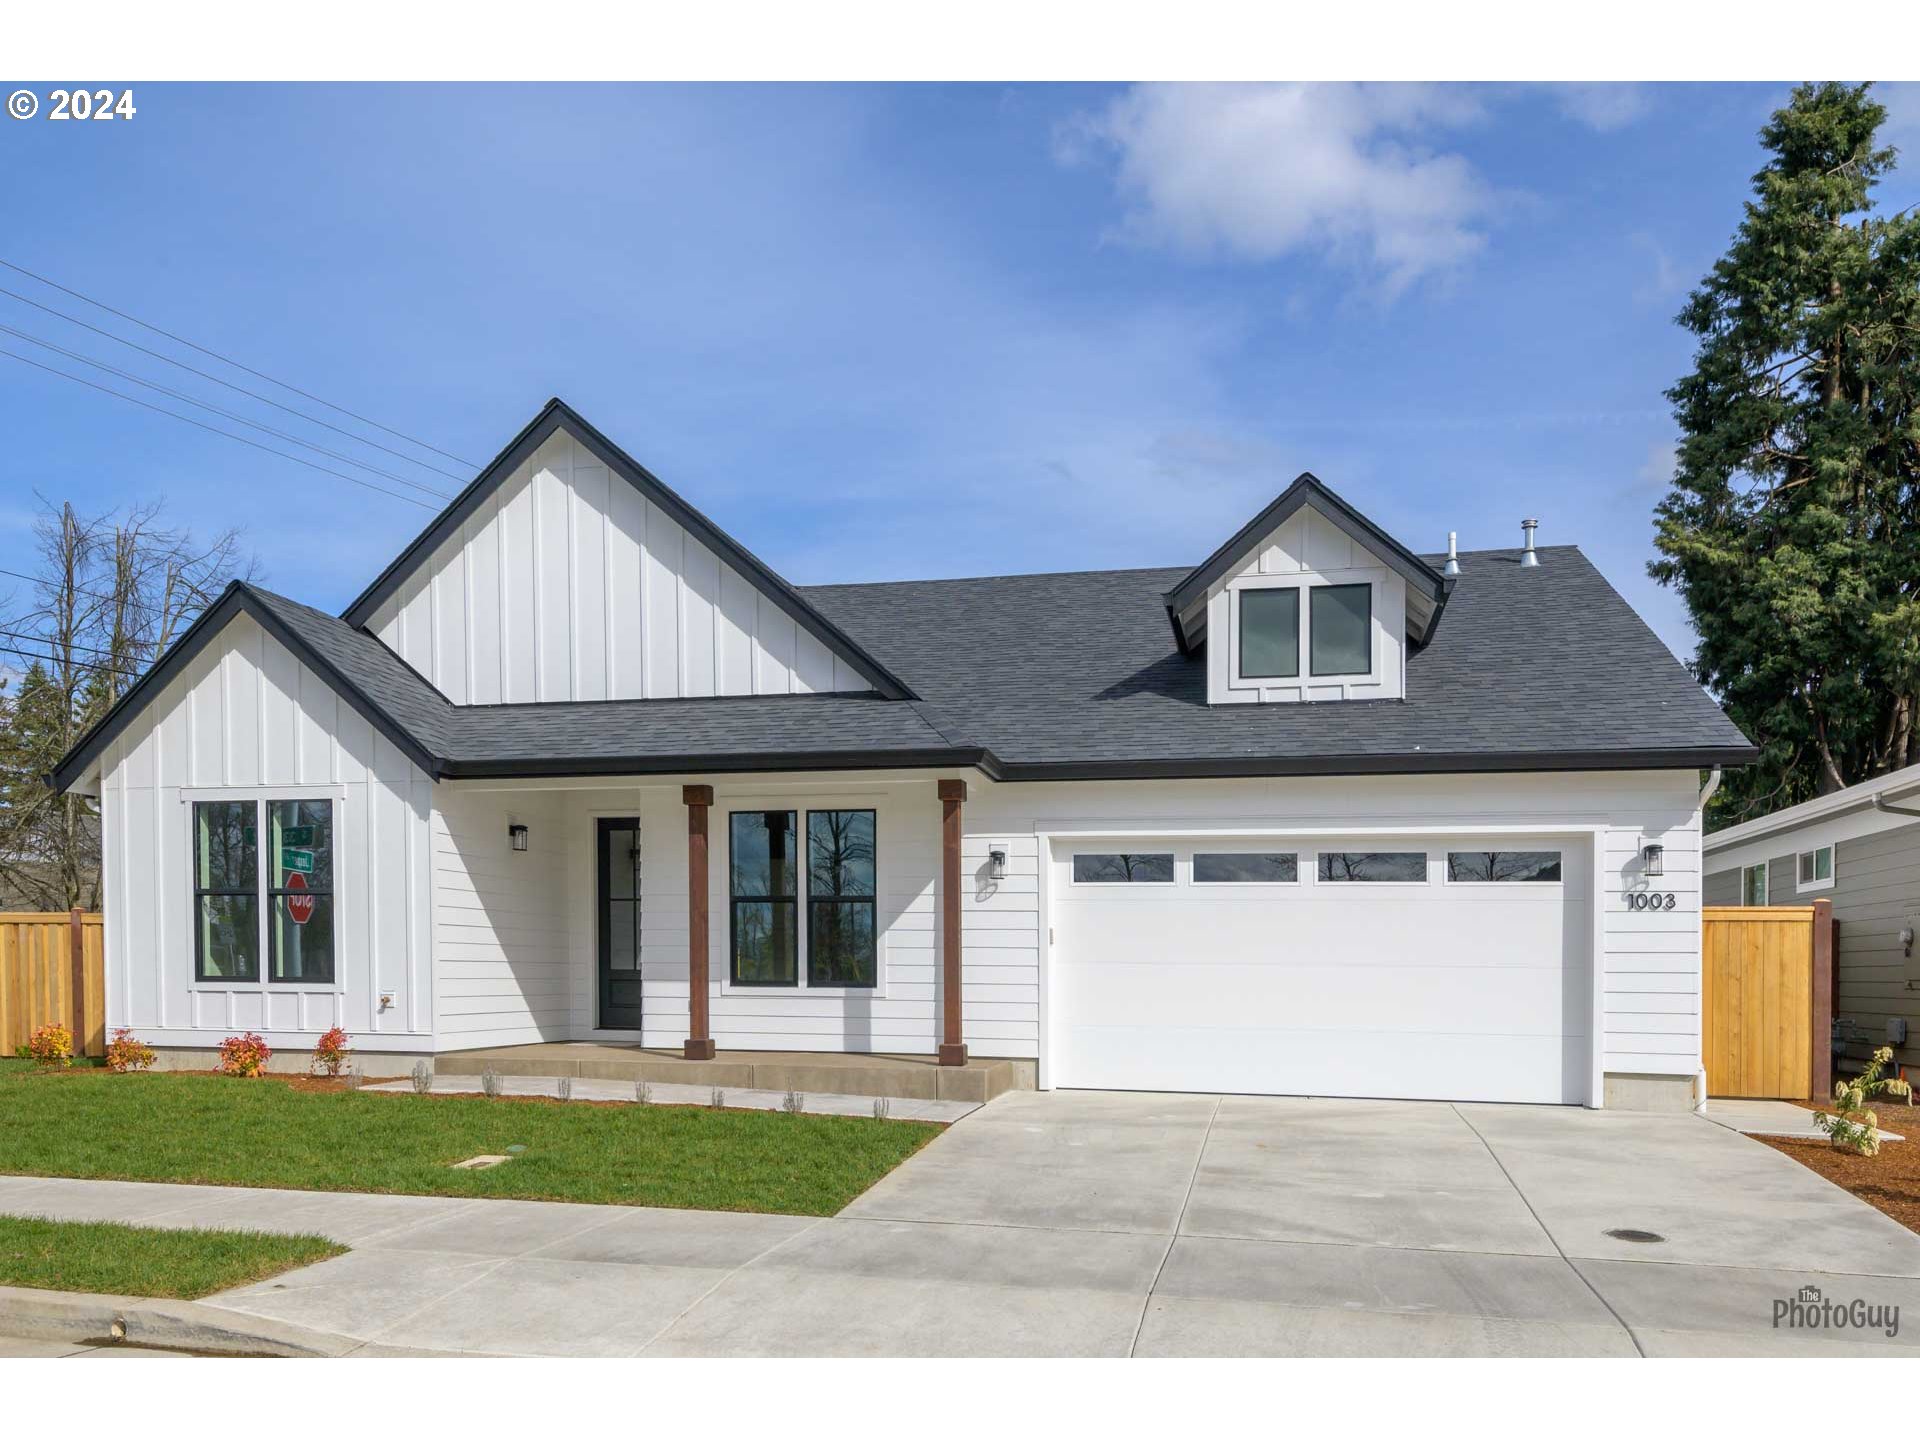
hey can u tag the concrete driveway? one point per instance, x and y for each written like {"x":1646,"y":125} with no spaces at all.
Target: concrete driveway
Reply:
{"x":1114,"y":1224}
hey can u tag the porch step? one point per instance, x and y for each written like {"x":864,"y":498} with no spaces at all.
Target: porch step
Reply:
{"x":904,"y":1077}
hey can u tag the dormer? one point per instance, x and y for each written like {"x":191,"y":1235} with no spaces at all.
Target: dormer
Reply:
{"x":1310,"y":600}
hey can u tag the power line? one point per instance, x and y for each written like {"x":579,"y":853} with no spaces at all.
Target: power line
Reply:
{"x":214,"y":429}
{"x":227,"y":360}
{"x":55,"y":645}
{"x":217,"y":410}
{"x":42,"y":580}
{"x":34,"y":655}
{"x":240,"y":389}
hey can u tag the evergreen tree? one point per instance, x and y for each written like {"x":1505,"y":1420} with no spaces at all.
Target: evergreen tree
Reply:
{"x":1792,"y":527}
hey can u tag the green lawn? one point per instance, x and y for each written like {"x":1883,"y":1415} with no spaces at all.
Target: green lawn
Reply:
{"x":109,"y":1259}
{"x":213,"y":1130}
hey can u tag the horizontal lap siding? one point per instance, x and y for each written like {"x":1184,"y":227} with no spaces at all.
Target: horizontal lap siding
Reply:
{"x":248,"y":718}
{"x":1876,"y":894}
{"x":567,"y":584}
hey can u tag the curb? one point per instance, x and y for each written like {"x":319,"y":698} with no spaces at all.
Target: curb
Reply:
{"x":160,"y":1324}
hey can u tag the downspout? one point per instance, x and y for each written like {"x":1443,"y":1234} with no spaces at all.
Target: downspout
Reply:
{"x":1881,"y":804}
{"x":1700,"y":1080}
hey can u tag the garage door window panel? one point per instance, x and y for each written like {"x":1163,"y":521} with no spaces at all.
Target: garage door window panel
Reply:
{"x":1503,"y":867}
{"x":1221,"y":867}
{"x":1109,"y":868}
{"x":1372,"y":867}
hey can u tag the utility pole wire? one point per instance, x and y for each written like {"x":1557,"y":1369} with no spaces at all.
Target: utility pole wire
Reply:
{"x":228,"y":360}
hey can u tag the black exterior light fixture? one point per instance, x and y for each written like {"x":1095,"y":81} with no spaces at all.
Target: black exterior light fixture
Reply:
{"x":996,"y":864}
{"x":517,"y":836}
{"x":1653,"y":858}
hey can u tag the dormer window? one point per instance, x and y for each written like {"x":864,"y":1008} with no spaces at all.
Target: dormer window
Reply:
{"x":1342,"y":624}
{"x":1270,"y":633}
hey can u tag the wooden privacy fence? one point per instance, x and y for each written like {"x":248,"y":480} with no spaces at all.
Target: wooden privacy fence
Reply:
{"x":53,"y":968}
{"x":1767,"y":1000}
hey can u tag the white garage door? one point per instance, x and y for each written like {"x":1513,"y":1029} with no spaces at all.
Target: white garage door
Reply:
{"x":1443,"y":969}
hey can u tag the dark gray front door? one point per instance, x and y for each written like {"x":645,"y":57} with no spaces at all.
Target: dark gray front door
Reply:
{"x":619,"y":924}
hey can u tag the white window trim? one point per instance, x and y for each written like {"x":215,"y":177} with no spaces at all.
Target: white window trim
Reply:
{"x":261,"y":795}
{"x":1194,"y":880}
{"x":1306,"y":581}
{"x":1446,"y":878}
{"x":1765,"y":884}
{"x":720,"y":884}
{"x":1826,"y":884}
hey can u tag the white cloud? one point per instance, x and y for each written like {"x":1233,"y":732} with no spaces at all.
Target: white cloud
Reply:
{"x":1602,"y":106}
{"x":1258,"y":172}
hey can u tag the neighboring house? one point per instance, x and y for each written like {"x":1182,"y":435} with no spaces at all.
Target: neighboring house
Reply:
{"x":1859,"y":848}
{"x":1315,"y":817}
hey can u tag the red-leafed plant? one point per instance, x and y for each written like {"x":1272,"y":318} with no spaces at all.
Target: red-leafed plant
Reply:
{"x":243,"y":1055}
{"x":51,"y":1045}
{"x":127,"y":1052}
{"x":330,"y":1054}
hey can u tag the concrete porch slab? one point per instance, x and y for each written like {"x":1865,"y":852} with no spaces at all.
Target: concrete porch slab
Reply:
{"x":621,"y":1091}
{"x":904,"y":1077}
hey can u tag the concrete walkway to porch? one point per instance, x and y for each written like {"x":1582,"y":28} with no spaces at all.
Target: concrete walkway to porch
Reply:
{"x":903,"y":1077}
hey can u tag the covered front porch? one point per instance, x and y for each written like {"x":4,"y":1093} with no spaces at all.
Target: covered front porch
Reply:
{"x":770,"y":931}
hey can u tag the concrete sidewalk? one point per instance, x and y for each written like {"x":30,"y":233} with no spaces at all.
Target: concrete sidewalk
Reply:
{"x":1775,"y":1118}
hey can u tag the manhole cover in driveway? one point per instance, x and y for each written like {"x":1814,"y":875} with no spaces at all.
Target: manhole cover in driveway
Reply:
{"x":1637,"y":1237}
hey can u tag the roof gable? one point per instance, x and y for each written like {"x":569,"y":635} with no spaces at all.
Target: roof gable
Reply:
{"x":1427,"y":588}
{"x":557,"y":416}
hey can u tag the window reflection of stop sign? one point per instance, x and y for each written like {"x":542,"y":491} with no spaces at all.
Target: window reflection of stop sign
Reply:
{"x":299,"y":904}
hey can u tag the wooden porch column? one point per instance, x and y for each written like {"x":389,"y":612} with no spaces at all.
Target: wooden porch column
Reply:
{"x":953,"y":1050}
{"x":698,"y":798}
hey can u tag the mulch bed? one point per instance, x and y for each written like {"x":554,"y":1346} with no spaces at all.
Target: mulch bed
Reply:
{"x":1889,"y":1181}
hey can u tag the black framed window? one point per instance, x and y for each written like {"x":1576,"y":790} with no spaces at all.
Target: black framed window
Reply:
{"x":765,"y":941}
{"x":1270,"y":633}
{"x":842,"y":936}
{"x":226,"y":890}
{"x":1245,"y":868}
{"x":1340,"y":630}
{"x":1372,"y":866}
{"x":1500,"y":867}
{"x":1092,"y":869}
{"x":300,"y":892}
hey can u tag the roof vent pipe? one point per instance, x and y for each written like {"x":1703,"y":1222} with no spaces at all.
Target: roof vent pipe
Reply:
{"x":1528,"y":557}
{"x":1453,"y":554}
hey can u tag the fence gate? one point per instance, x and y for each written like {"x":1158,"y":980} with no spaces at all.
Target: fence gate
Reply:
{"x":1766,"y":1000}
{"x":52,"y":969}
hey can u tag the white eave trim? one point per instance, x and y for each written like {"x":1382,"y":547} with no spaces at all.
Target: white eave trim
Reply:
{"x":1824,"y":807}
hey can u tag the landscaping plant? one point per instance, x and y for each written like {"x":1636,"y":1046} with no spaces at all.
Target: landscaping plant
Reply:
{"x":490,"y":1083}
{"x":794,"y":1102}
{"x":51,"y":1045}
{"x":422,"y":1078}
{"x":330,"y":1054}
{"x":1854,"y":1127}
{"x":127,"y":1052}
{"x":243,"y":1055}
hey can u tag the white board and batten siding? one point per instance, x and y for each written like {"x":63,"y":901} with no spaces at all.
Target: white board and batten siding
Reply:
{"x":569,"y":584}
{"x":246,"y":719}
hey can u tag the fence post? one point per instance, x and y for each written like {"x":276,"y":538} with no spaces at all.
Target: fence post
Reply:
{"x":77,"y":956}
{"x":1821,"y":1076}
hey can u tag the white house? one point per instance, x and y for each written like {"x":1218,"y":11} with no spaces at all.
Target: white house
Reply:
{"x":1319,"y":816}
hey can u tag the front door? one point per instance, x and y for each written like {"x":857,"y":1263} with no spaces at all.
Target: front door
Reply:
{"x":619,"y":850}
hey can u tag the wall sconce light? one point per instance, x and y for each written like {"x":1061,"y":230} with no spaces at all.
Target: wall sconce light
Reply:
{"x":517,"y":836}
{"x":1653,"y":859}
{"x":996,"y":864}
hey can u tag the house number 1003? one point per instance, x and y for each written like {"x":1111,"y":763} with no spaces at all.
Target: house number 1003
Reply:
{"x":1649,"y":900}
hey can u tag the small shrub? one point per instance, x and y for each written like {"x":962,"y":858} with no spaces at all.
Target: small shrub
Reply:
{"x":643,"y":1092}
{"x":422,"y":1078}
{"x":354,"y":1078}
{"x":794,"y":1103}
{"x":50,"y":1045}
{"x":881,"y":1107}
{"x":490,"y":1083}
{"x":243,"y":1055}
{"x":563,"y":1088}
{"x":718,"y":1100}
{"x":126,"y":1052}
{"x":330,"y":1054}
{"x":1853,"y":1126}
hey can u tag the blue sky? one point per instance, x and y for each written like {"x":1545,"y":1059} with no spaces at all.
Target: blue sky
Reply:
{"x":883,"y":333}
